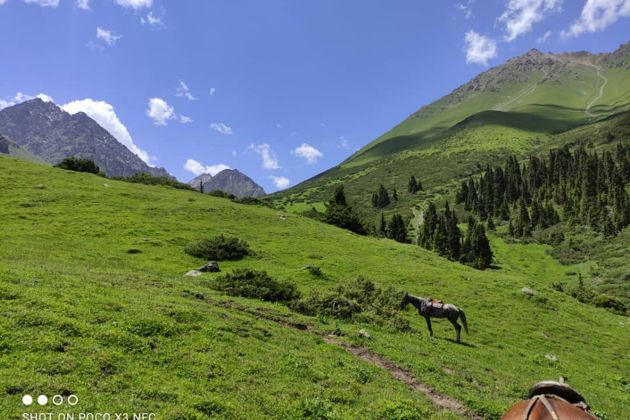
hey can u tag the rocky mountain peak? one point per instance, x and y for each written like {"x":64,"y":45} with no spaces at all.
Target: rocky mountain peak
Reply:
{"x":49,"y":132}
{"x":231,"y":181}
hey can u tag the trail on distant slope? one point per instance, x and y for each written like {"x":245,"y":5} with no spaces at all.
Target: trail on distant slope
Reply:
{"x":601,"y":88}
{"x":364,"y":354}
{"x":526,"y":91}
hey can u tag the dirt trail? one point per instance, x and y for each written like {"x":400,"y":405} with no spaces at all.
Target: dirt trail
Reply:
{"x":397,"y":372}
{"x":601,"y":88}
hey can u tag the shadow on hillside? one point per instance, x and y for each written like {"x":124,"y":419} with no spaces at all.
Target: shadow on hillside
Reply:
{"x":460,"y":343}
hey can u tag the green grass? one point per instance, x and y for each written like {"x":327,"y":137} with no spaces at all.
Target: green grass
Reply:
{"x":82,"y":315}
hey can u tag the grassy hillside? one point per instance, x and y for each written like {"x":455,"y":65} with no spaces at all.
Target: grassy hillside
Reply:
{"x":510,"y":109}
{"x":128,"y":332}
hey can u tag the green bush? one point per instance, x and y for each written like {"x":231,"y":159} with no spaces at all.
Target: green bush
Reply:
{"x":79,"y":165}
{"x":221,"y":194}
{"x":154,"y":180}
{"x":361,"y":300}
{"x":219,"y":248}
{"x":257,"y":285}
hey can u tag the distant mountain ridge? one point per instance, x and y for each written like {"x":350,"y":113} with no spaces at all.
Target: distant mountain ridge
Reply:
{"x":231,"y":181}
{"x":52,"y":134}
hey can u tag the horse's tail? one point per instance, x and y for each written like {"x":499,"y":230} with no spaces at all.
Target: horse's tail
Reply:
{"x":462,"y":315}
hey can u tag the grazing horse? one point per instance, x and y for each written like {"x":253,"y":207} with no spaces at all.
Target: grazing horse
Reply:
{"x":429,"y":308}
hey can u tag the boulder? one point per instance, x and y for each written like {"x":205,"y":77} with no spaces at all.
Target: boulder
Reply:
{"x":210,"y":267}
{"x":363,"y":333}
{"x":528,"y":291}
{"x":193,"y":273}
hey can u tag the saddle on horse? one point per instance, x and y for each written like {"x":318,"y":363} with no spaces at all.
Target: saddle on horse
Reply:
{"x":550,"y":400}
{"x":434,"y":303}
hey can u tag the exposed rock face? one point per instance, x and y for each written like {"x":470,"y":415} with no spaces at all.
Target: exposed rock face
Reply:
{"x":47,"y":131}
{"x":230,"y":181}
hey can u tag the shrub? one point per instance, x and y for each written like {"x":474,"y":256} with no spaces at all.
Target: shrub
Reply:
{"x":612,"y":303}
{"x":317,"y":408}
{"x":258,"y":285}
{"x":219,"y":248}
{"x":79,"y":165}
{"x":154,"y":180}
{"x":221,"y":194}
{"x":361,"y":300}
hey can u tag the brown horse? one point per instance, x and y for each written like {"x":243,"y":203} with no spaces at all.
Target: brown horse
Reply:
{"x":549,"y":400}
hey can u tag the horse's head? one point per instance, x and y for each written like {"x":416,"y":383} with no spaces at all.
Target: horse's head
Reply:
{"x":405,"y":301}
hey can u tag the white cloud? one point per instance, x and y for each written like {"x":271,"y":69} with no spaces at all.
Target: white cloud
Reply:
{"x":479,"y":49}
{"x":198,"y":168}
{"x":543,"y":38}
{"x":270,"y":161}
{"x":597,"y":15}
{"x":466,"y":8}
{"x":105,"y":115}
{"x":83,"y":4}
{"x":160,"y":112}
{"x":22,"y":97}
{"x":152,"y":20}
{"x":280,"y":182}
{"x":43,"y":3}
{"x":212,"y":91}
{"x":109,"y":37}
{"x":520,"y":15}
{"x":307,"y":152}
{"x":2,"y":2}
{"x":343,"y":143}
{"x":184,"y":92}
{"x":222,"y":128}
{"x":135,"y":4}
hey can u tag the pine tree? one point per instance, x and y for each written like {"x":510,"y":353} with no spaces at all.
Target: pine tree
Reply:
{"x":201,"y":187}
{"x":395,"y":195}
{"x":412,"y":186}
{"x":380,"y":198}
{"x":340,"y":214}
{"x":397,"y":229}
{"x":382,"y":226}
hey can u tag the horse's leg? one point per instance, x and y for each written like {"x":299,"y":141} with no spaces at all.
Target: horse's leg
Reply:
{"x":458,"y":329}
{"x":429,"y":326}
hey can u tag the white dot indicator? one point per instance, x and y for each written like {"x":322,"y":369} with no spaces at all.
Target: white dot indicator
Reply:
{"x":73,"y":399}
{"x":42,"y":400}
{"x":27,"y":400}
{"x":57,"y":400}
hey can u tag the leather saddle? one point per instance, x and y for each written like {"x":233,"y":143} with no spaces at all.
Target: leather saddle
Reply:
{"x":434,"y":303}
{"x":550,"y":400}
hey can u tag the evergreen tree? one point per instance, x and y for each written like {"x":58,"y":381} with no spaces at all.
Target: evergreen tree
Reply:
{"x":397,"y":229}
{"x":201,"y":187}
{"x":380,"y":198}
{"x":340,"y":214}
{"x":395,"y":195}
{"x":412,"y":186}
{"x":382,"y":226}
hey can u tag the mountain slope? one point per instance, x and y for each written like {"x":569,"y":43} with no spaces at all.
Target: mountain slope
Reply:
{"x":11,"y":148}
{"x":126,"y":331}
{"x":52,"y":134}
{"x":512,"y":108}
{"x":230,"y":181}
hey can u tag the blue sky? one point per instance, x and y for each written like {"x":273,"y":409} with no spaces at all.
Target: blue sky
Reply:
{"x":279,"y":89}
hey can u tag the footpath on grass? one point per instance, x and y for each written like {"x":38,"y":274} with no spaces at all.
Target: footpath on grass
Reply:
{"x":397,"y":372}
